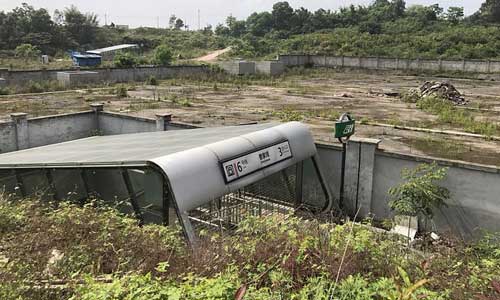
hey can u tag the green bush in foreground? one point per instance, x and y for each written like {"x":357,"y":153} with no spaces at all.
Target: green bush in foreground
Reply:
{"x":46,"y":245}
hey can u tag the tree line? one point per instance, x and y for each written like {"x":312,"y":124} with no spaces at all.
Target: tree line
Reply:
{"x":384,"y":28}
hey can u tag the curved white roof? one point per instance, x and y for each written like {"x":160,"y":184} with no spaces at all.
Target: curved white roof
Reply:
{"x":196,"y":176}
{"x":190,"y":159}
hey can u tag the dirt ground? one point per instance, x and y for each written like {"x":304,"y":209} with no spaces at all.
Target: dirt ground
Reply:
{"x":316,"y":99}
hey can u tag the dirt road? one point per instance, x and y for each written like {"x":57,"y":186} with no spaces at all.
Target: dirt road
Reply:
{"x":213,"y":55}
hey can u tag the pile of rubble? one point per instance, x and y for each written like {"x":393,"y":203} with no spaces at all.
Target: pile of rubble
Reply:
{"x":443,"y":90}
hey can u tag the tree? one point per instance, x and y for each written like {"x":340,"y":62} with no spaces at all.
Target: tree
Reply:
{"x":455,"y":14}
{"x":81,"y":27}
{"x":179,"y":24}
{"x":282,"y":16}
{"x":301,"y":22}
{"x":171,"y":21}
{"x":489,"y":12}
{"x":420,"y":194}
{"x":258,"y":24}
{"x":236,"y":28}
{"x":163,"y":55}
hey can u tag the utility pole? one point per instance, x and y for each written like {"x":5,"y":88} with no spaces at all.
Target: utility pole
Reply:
{"x":106,"y":19}
{"x":199,"y":20}
{"x":158,"y":22}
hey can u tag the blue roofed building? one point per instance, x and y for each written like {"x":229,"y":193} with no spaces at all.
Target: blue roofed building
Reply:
{"x":86,"y":59}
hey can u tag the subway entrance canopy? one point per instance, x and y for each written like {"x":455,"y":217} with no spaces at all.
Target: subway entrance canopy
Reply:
{"x":197,"y":177}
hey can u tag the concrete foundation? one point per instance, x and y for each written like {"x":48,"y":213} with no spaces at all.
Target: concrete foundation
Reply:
{"x":238,"y":67}
{"x":77,"y":78}
{"x":273,"y":68}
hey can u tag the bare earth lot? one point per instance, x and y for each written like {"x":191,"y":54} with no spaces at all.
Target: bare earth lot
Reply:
{"x":316,"y":98}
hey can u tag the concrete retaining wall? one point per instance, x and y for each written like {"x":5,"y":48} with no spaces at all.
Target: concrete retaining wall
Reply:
{"x":7,"y":137}
{"x":111,"y":124}
{"x":60,"y":128}
{"x":469,"y":66}
{"x":474,"y":203}
{"x":20,"y":78}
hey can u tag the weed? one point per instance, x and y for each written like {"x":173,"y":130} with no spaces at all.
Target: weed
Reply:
{"x":4,"y":91}
{"x":121,"y":91}
{"x":288,"y":115}
{"x":152,"y":81}
{"x":449,"y":114}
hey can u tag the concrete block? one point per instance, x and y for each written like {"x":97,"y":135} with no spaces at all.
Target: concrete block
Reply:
{"x":273,"y":68}
{"x":162,"y":121}
{"x":238,"y":67}
{"x":77,"y":78}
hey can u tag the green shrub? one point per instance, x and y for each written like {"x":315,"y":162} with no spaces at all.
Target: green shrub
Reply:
{"x":27,"y":51}
{"x":420,"y":194}
{"x":152,"y":81}
{"x":121,"y":91}
{"x":4,"y":91}
{"x":162,"y":55}
{"x":125,"y":60}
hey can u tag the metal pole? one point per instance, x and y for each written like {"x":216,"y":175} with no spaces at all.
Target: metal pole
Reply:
{"x":342,"y":176}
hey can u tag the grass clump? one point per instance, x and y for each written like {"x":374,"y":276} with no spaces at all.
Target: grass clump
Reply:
{"x":4,"y":91}
{"x":121,"y":91}
{"x":184,"y":102}
{"x":152,"y":81}
{"x":449,"y":114}
{"x":288,"y":115}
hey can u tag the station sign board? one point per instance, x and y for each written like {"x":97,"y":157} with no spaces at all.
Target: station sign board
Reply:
{"x":254,"y":161}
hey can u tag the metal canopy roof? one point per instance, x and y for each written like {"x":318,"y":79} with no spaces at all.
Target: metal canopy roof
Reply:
{"x":113,"y":48}
{"x":190,"y":159}
{"x":125,"y":149}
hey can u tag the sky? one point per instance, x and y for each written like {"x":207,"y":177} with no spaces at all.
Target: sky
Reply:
{"x":157,"y":12}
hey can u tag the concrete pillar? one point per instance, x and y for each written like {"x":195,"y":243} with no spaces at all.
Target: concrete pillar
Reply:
{"x":20,"y":121}
{"x":162,"y":121}
{"x":97,"y":108}
{"x":360,"y":165}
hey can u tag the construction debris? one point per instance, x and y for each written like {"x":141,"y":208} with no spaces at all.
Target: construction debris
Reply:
{"x":443,"y":90}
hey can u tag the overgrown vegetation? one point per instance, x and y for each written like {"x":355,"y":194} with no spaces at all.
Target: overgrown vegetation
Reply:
{"x":48,"y":249}
{"x":449,"y":114}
